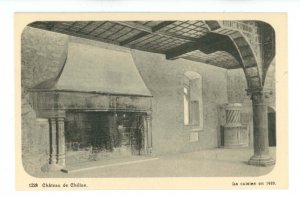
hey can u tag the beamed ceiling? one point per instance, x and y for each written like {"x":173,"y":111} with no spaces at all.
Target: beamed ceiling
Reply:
{"x":191,"y":40}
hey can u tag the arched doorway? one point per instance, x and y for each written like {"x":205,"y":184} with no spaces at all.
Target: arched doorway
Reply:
{"x":272,"y":126}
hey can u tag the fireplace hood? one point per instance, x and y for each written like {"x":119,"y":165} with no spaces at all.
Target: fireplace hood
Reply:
{"x":95,"y":79}
{"x":93,"y":69}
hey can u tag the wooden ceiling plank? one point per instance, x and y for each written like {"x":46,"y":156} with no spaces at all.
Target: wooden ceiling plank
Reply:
{"x":204,"y":44}
{"x":90,"y":22}
{"x":134,"y":26}
{"x":182,"y":50}
{"x":94,"y":29}
{"x":125,"y":32}
{"x":133,"y":38}
{"x":207,"y":44}
{"x":161,"y":25}
{"x":145,"y":31}
{"x":114,"y":33}
{"x":70,"y":26}
{"x":149,"y":30}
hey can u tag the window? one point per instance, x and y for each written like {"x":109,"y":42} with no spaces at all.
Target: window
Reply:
{"x":192,"y":99}
{"x":186,"y":104}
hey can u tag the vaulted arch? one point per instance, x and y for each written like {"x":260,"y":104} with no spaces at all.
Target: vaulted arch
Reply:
{"x":245,"y":53}
{"x":255,"y":74}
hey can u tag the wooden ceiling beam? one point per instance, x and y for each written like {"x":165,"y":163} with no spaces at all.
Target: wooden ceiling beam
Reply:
{"x":154,"y":30}
{"x":182,"y":50}
{"x":145,"y":31}
{"x":203,"y":44}
{"x":71,"y":33}
{"x":135,"y":37}
{"x":207,"y":44}
{"x":134,"y":25}
{"x":90,"y":22}
{"x":161,"y":25}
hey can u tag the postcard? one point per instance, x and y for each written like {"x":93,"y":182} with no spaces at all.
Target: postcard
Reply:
{"x":151,"y":101}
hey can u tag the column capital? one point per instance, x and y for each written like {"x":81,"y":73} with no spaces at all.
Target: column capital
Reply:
{"x":60,"y":118}
{"x":254,"y":91}
{"x":52,"y":119}
{"x":258,"y":95}
{"x":148,"y":114}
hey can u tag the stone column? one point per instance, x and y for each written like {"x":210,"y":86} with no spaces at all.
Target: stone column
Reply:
{"x":261,"y":155}
{"x":145,"y":134}
{"x":57,"y":145}
{"x":61,"y":160}
{"x":149,"y":133}
{"x":53,"y":141}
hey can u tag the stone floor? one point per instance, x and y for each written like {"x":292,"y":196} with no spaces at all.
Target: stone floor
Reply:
{"x":205,"y":163}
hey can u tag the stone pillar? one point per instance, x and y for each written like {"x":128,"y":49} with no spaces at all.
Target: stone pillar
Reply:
{"x":57,"y":145}
{"x":61,"y":160}
{"x":145,"y":134}
{"x":261,"y":155}
{"x":149,"y":133}
{"x":235,"y":134}
{"x":53,"y":141}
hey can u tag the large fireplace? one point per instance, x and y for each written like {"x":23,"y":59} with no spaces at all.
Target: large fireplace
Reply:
{"x":98,"y":107}
{"x":92,"y":136}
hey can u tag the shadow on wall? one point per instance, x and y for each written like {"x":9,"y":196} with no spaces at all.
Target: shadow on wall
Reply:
{"x":272,"y":126}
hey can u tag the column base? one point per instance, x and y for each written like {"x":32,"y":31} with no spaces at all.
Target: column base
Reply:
{"x":261,"y":160}
{"x":52,"y":167}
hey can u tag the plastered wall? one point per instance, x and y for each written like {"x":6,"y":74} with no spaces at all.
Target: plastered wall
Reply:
{"x":43,"y":54}
{"x":237,"y":85}
{"x":164,"y":79}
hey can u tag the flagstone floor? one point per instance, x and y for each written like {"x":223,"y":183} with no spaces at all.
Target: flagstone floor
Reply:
{"x":204,"y":163}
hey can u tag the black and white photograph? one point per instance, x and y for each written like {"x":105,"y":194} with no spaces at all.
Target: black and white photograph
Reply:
{"x":129,"y":97}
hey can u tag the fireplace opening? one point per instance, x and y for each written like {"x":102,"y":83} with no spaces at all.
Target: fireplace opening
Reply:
{"x":92,"y":136}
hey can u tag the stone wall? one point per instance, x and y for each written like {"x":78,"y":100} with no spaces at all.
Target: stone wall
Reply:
{"x":43,"y":54}
{"x":270,"y":85}
{"x":237,"y":86}
{"x":164,"y":79}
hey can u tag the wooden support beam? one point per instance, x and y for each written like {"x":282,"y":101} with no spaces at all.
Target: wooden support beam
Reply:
{"x":133,"y":38}
{"x":207,"y":44}
{"x":145,"y":31}
{"x":181,"y":50}
{"x":154,"y":30}
{"x":134,"y":25}
{"x":90,"y":22}
{"x":161,"y":25}
{"x":72,"y":33}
